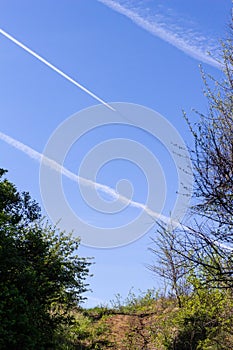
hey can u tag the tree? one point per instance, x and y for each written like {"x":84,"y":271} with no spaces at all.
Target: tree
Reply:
{"x":41,"y":276}
{"x":169,"y":264}
{"x":207,"y":240}
{"x":200,"y":252}
{"x":213,"y":153}
{"x":209,"y":235}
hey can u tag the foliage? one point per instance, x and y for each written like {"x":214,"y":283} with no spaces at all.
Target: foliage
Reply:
{"x":41,"y":276}
{"x":152,"y":321}
{"x":83,"y":334}
{"x":16,"y":208}
{"x":204,"y":321}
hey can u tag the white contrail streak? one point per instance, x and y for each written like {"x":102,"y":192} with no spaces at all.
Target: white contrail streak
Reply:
{"x":81,"y":180}
{"x":180,"y":40}
{"x":95,"y":185}
{"x":55,"y":69}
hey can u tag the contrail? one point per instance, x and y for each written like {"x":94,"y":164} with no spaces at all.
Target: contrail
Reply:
{"x":55,"y":69}
{"x":181,"y":41}
{"x":39,"y":157}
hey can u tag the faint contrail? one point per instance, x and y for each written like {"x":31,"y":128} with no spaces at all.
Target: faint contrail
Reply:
{"x":72,"y":176}
{"x":181,"y":41}
{"x":57,"y":70}
{"x":95,"y":185}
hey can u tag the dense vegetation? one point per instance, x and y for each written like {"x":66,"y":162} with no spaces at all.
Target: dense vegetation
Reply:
{"x":153,"y":321}
{"x":41,"y":276}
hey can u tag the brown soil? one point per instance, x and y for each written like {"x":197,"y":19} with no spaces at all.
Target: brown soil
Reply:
{"x":131,"y":331}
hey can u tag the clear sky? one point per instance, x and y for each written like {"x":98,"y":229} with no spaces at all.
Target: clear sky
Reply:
{"x":141,"y":52}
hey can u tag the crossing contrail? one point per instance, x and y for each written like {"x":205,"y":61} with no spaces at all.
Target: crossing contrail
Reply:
{"x":55,"y":69}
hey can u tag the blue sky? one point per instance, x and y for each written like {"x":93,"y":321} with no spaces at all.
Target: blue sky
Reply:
{"x":141,"y":52}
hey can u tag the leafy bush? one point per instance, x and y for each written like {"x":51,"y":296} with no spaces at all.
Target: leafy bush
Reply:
{"x":41,"y":276}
